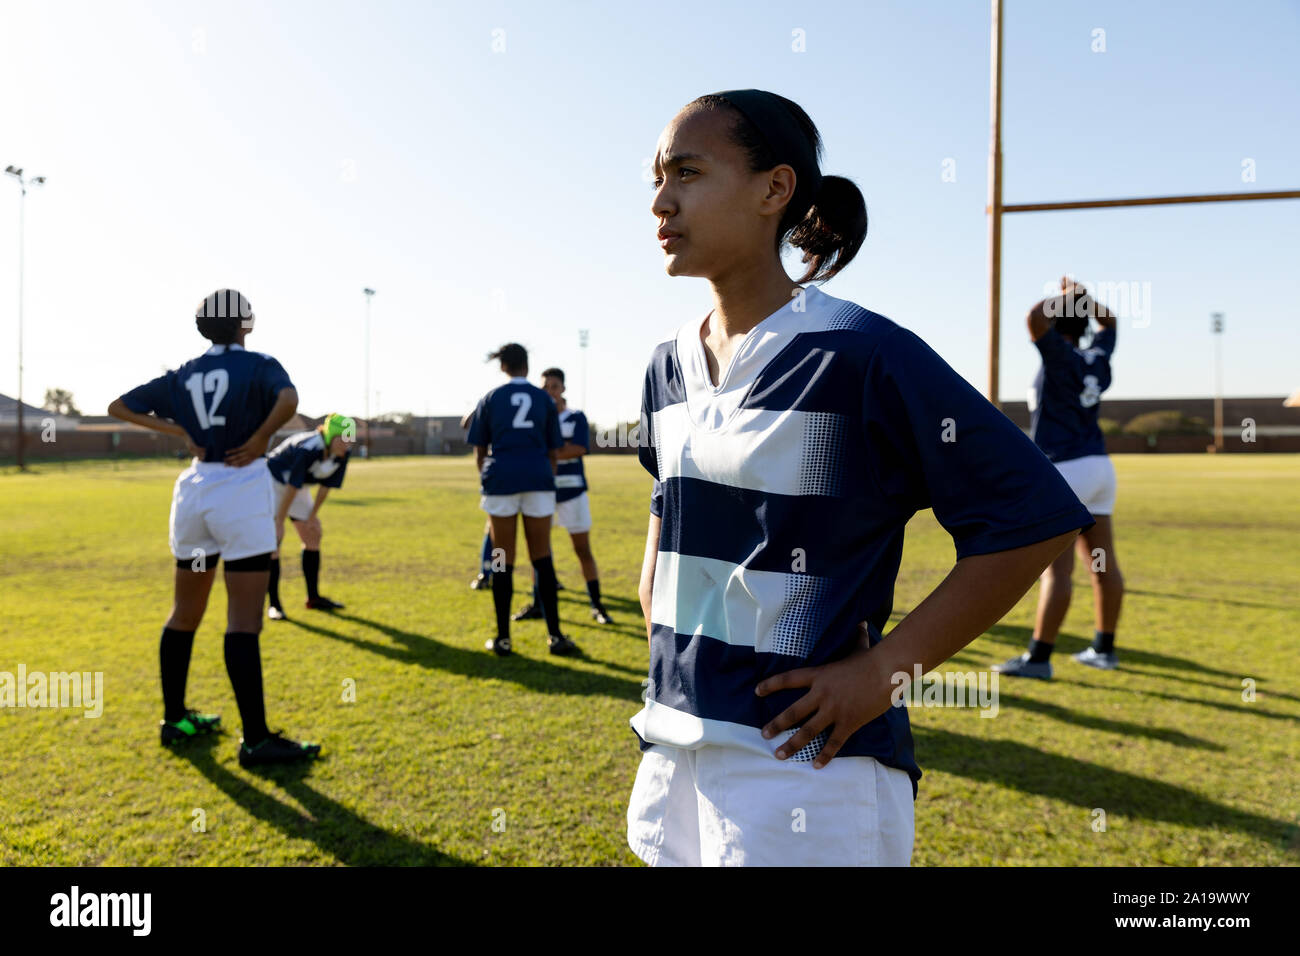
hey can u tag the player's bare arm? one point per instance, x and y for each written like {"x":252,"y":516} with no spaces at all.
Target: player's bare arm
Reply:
{"x":480,"y":453}
{"x":569,"y":451}
{"x":119,"y":410}
{"x":322,"y":493}
{"x":286,"y":403}
{"x":851,"y":692}
{"x":645,"y":589}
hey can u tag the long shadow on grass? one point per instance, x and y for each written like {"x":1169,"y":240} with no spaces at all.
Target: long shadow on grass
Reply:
{"x":1019,"y":636}
{"x":1122,"y":727}
{"x":1215,"y":600}
{"x":338,"y":831}
{"x":541,"y":676}
{"x":1244,"y":710}
{"x":1017,"y":766}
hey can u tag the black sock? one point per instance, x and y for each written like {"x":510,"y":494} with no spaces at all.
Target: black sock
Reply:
{"x":593,"y":592}
{"x":1039,"y":652}
{"x":311,"y":571}
{"x":174,"y":658}
{"x":503,"y":589}
{"x":485,"y":558}
{"x":1103,"y":642}
{"x":273,"y":586}
{"x":244,"y":665}
{"x":537,"y":598}
{"x":547,"y":593}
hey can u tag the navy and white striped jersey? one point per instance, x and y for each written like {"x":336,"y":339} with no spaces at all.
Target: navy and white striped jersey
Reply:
{"x":784,"y":492}
{"x":1065,"y":398}
{"x":302,"y":458}
{"x":519,"y":425}
{"x":570,"y":479}
{"x":220,"y":398}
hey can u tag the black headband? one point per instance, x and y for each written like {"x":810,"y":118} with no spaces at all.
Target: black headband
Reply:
{"x":777,"y":125}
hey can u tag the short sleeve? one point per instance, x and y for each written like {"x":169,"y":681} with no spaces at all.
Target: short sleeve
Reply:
{"x":478,"y":429}
{"x":581,"y":431}
{"x":934,"y":442}
{"x":645,"y":450}
{"x":154,"y":396}
{"x":336,"y":480}
{"x":1053,"y":348}
{"x":1104,"y":341}
{"x":297,"y":475}
{"x":657,"y":499}
{"x":274,"y":379}
{"x":554,"y":439}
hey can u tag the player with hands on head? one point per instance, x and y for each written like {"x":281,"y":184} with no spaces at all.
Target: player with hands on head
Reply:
{"x":1064,"y":406}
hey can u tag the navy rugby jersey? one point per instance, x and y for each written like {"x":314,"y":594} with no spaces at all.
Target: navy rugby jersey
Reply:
{"x":219,"y":398}
{"x":1065,"y":398}
{"x":784,"y":493}
{"x":302,"y":458}
{"x":570,"y":479}
{"x":519,"y":424}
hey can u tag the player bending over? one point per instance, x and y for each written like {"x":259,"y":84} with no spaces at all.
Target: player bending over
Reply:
{"x":318,"y":457}
{"x":572,"y":509}
{"x":515,"y":434}
{"x":227,"y":403}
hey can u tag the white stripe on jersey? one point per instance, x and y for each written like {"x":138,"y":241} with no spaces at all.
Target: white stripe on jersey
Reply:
{"x":765,"y":610}
{"x":778,"y":451}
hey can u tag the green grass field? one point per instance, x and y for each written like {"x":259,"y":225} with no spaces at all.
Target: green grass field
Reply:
{"x":445,"y":740}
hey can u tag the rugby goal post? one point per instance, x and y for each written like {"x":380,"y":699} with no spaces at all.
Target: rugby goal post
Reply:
{"x":996,"y":208}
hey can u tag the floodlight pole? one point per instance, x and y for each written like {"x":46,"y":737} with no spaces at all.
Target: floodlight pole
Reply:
{"x":17,"y":173}
{"x":584,"y":337}
{"x":369,"y":293}
{"x":1216,"y":328}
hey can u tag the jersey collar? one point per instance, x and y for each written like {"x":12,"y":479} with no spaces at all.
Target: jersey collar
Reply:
{"x":218,"y":349}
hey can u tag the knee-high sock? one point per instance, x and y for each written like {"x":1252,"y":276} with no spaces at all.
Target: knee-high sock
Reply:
{"x":244,"y":665}
{"x":174,"y":660}
{"x":311,"y":572}
{"x":593,"y":591}
{"x":546,"y":591}
{"x":485,"y":558}
{"x":273,"y":586}
{"x":503,"y":587}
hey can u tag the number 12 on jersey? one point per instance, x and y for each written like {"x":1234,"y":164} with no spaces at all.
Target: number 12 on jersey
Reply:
{"x":215,"y":383}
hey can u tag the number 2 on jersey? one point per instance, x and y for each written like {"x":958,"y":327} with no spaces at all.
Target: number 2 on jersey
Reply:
{"x":216,"y":382}
{"x":525,"y":403}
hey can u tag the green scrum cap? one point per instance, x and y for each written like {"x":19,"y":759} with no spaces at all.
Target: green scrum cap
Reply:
{"x":336,"y":425}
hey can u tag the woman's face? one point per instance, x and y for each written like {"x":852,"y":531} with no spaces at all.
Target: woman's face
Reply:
{"x":338,"y":446}
{"x":720,"y":213}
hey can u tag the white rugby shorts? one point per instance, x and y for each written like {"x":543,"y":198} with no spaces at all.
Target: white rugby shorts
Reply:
{"x":300,"y":510}
{"x":221,"y":510}
{"x":534,"y":504}
{"x":574,"y":515}
{"x":726,"y":806}
{"x":1092,"y":479}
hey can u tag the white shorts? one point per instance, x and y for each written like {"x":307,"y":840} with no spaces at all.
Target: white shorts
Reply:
{"x":724,"y":806}
{"x":300,"y":510}
{"x":534,"y":504}
{"x":1092,"y":479}
{"x":217,"y":509}
{"x":574,"y":515}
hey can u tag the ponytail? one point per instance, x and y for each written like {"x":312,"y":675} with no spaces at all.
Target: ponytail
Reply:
{"x":832,"y":231}
{"x":827,"y":217}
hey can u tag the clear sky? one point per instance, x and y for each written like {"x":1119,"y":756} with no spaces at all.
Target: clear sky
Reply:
{"x":482,"y":166}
